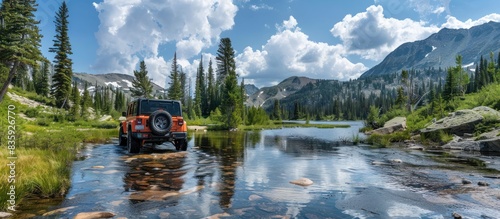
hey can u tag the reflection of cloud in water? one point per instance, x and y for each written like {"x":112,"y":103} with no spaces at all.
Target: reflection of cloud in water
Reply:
{"x":293,"y":195}
{"x":405,"y":211}
{"x":276,"y":160}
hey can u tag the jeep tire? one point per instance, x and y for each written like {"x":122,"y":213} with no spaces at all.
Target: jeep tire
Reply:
{"x":122,"y":141}
{"x":133,"y":145}
{"x":160,"y":122}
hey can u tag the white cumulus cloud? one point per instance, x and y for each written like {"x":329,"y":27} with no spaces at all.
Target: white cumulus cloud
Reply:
{"x":372,"y":36}
{"x":290,"y":53}
{"x":131,"y":30}
{"x":454,"y":23}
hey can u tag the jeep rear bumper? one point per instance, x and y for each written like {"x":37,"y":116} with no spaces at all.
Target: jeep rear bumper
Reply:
{"x":150,"y":137}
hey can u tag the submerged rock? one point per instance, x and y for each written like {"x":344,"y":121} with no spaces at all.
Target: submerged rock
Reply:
{"x":302,"y":182}
{"x":92,"y":215}
{"x":58,"y":211}
{"x":480,"y":183}
{"x":396,"y":161}
{"x":455,"y":215}
{"x":466,"y":181}
{"x":5,"y":215}
{"x":254,"y":197}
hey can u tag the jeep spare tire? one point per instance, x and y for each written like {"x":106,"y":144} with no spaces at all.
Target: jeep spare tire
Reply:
{"x":160,"y":122}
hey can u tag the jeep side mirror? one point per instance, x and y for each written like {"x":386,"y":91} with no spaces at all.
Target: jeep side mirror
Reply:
{"x":124,"y":114}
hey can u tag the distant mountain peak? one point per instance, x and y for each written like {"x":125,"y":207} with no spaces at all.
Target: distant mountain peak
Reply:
{"x":441,"y":48}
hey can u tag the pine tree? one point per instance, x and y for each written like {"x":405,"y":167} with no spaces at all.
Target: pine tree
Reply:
{"x":212,"y":103}
{"x":184,"y":88}
{"x":276,"y":110}
{"x":63,"y":73}
{"x":141,"y":85}
{"x":491,"y":69}
{"x":75,"y":100}
{"x":477,"y":78}
{"x":232,"y":102}
{"x":175,"y":89}
{"x":401,"y":97}
{"x":19,"y":38}
{"x":85,"y":102}
{"x":200,"y":91}
{"x":36,"y":76}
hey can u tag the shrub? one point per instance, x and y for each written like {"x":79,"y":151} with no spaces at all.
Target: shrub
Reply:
{"x":105,"y":125}
{"x":32,"y":112}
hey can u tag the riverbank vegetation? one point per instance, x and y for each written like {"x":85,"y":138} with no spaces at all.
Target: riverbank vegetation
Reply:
{"x":481,"y":89}
{"x":44,"y":152}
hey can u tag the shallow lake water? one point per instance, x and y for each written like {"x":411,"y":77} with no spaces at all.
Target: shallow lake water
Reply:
{"x":248,"y":174}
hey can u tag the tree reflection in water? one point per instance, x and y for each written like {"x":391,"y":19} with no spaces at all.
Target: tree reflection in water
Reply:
{"x":227,"y":148}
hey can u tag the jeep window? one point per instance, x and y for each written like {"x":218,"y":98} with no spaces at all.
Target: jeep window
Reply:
{"x":132,"y":108}
{"x":149,"y":106}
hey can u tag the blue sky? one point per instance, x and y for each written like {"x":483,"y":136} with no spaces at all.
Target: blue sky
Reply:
{"x":273,"y":39}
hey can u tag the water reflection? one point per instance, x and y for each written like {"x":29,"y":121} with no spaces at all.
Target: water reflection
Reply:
{"x":227,"y":148}
{"x":155,"y":176}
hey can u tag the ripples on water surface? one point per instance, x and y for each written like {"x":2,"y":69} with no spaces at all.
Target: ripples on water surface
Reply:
{"x":247,"y":175}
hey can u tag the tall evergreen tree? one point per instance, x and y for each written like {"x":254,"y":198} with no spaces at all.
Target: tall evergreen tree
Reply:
{"x":276,"y":110}
{"x":19,"y":38}
{"x":211,"y":89}
{"x":141,"y":85}
{"x":175,"y":89}
{"x":85,"y":102}
{"x":63,"y":70}
{"x":184,"y":88}
{"x":75,"y":100}
{"x":200,"y":98}
{"x":232,"y":102}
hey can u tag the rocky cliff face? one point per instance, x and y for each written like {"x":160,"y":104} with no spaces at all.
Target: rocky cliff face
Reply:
{"x":440,"y":49}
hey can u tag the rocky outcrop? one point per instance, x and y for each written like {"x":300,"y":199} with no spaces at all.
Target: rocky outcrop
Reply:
{"x":391,"y":126}
{"x":462,"y":122}
{"x":486,"y":142}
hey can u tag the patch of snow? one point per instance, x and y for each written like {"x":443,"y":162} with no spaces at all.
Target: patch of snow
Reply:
{"x":468,"y":65}
{"x":91,"y":88}
{"x":114,"y":84}
{"x":433,"y":48}
{"x":129,"y":84}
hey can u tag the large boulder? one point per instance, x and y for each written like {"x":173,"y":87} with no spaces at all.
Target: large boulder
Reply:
{"x":490,"y":145}
{"x":463,"y":121}
{"x":393,"y":125}
{"x":458,"y":123}
{"x":486,"y":142}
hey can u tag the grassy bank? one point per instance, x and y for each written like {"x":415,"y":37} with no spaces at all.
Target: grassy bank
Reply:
{"x":44,"y":153}
{"x":216,"y":126}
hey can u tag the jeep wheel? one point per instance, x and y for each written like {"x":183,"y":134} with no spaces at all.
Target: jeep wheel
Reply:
{"x":160,"y":122}
{"x":181,"y":145}
{"x":133,"y":145}
{"x":122,"y":141}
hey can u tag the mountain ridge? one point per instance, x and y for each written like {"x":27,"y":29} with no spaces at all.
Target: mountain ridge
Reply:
{"x":436,"y":50}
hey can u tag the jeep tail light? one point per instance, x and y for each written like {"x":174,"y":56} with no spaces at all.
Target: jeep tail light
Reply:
{"x":138,"y":121}
{"x":180,"y":122}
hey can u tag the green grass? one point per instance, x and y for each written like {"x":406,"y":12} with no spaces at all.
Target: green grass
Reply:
{"x":44,"y":152}
{"x":44,"y":160}
{"x":291,"y":125}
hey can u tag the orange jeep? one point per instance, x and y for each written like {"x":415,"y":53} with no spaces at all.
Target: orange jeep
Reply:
{"x":153,"y":121}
